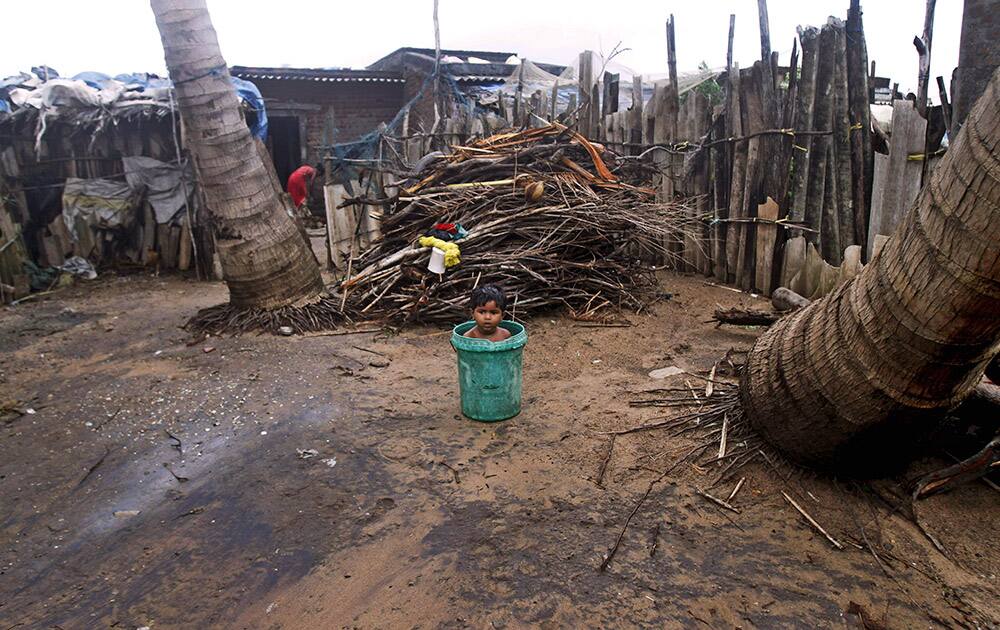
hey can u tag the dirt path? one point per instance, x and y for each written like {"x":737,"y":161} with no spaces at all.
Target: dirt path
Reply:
{"x":160,"y":484}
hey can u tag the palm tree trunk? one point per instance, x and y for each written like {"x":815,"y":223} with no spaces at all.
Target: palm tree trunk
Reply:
{"x":857,"y":376}
{"x":265,"y":261}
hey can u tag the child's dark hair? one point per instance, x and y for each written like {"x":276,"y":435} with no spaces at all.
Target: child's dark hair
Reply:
{"x":488,"y":293}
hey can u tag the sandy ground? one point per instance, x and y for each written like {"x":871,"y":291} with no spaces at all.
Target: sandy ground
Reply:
{"x":161,"y":484}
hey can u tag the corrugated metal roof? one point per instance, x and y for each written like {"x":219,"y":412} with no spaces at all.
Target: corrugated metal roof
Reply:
{"x":321,"y":75}
{"x":479,"y":77}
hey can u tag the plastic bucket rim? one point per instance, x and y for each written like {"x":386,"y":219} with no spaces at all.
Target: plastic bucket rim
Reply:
{"x":518,"y":338}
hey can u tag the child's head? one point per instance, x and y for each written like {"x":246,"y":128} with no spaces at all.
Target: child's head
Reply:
{"x":488,"y":304}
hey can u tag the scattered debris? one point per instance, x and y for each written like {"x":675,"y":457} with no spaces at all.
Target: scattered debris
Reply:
{"x":285,"y":331}
{"x":576,"y":246}
{"x":812,"y":521}
{"x":716,"y":500}
{"x":191,"y":512}
{"x":306,"y":453}
{"x":970,"y":469}
{"x":175,"y":442}
{"x":787,"y":300}
{"x":739,"y":484}
{"x":661,"y":373}
{"x":607,"y":459}
{"x":453,"y":471}
{"x":331,"y":462}
{"x":744,"y":317}
{"x":94,"y":467}
{"x":369,"y":350}
{"x":179,"y":478}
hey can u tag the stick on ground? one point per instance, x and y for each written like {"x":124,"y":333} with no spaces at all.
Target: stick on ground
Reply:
{"x":716,"y":500}
{"x":817,"y":526}
{"x":739,"y":484}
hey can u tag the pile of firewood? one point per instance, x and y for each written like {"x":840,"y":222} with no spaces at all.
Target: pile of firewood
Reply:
{"x":547,"y":220}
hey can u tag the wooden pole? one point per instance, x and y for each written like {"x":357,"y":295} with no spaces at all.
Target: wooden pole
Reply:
{"x":823,"y":120}
{"x":584,"y":81}
{"x":945,"y":105}
{"x":734,"y":231}
{"x":723,"y":167}
{"x":729,"y":48}
{"x":437,"y":69}
{"x":669,"y":114}
{"x":765,"y":32}
{"x":871,"y":82}
{"x":802,"y":143}
{"x":923,"y":46}
{"x":636,"y":119}
{"x":859,"y":91}
{"x":673,"y":96}
{"x":842,"y":140}
{"x":555,"y":102}
{"x":611,"y":88}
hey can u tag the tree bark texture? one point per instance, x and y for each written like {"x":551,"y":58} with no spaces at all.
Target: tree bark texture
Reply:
{"x":860,"y":374}
{"x":265,"y":261}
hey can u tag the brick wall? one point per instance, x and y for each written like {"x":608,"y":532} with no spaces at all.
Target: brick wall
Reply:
{"x":356,"y":107}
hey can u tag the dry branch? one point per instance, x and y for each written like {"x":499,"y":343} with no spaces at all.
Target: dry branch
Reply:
{"x":547,"y":220}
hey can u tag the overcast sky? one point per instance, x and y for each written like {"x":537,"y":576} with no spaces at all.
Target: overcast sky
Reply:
{"x":115,"y":36}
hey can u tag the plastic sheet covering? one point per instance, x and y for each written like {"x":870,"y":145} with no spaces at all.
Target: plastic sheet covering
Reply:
{"x":533,"y":78}
{"x":78,"y":266}
{"x":88,"y":90}
{"x":101,"y":203}
{"x":56,"y":94}
{"x":162,"y":183}
{"x":249,"y":93}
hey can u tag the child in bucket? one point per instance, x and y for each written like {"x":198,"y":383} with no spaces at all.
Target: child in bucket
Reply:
{"x":488,"y":303}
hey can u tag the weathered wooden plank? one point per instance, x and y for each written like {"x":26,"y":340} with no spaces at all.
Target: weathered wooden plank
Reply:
{"x":766,"y":236}
{"x":184,"y":247}
{"x":554,"y":104}
{"x":692,"y":124}
{"x":635,"y":116}
{"x":585,"y":81}
{"x":820,"y":149}
{"x":879,"y":178}
{"x":734,"y":231}
{"x":860,"y":113}
{"x":902,"y":176}
{"x":719,"y":169}
{"x":148,"y":233}
{"x":842,"y":140}
{"x":755,"y":120}
{"x":649,"y":113}
{"x":673,"y":104}
{"x":793,"y":260}
{"x":165,"y":258}
{"x":830,"y":224}
{"x":802,"y":144}
{"x":609,"y":100}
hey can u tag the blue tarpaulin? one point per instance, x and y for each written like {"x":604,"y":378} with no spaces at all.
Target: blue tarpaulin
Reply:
{"x":249,"y":93}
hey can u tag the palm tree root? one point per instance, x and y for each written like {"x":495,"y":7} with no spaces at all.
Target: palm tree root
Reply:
{"x":321,"y":314}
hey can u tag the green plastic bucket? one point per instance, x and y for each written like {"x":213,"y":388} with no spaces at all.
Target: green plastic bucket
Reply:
{"x":489,"y":373}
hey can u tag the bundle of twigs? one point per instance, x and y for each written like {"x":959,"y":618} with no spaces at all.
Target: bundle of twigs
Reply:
{"x":547,"y":220}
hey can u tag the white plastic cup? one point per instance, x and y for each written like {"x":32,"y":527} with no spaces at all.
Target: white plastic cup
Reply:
{"x":436,"y":263}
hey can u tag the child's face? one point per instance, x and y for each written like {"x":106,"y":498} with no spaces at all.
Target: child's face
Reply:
{"x":487,"y":317}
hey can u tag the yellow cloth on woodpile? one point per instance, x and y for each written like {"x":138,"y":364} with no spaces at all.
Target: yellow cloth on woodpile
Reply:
{"x":452,"y":255}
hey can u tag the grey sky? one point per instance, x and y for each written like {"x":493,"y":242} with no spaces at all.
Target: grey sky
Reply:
{"x":115,"y":36}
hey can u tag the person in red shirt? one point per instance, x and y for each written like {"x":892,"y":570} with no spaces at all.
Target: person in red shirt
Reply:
{"x":299,"y":183}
